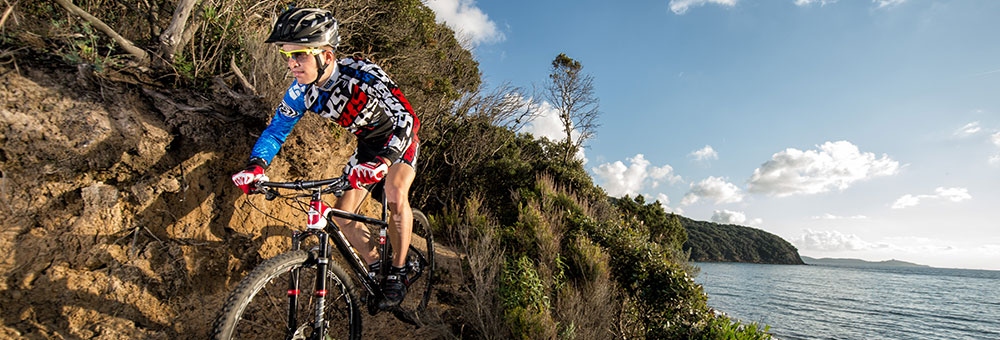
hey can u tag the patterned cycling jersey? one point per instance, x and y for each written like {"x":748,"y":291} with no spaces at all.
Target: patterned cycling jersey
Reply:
{"x":360,"y":97}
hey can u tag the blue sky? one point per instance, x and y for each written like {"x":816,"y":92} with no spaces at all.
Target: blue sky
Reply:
{"x":863,"y":129}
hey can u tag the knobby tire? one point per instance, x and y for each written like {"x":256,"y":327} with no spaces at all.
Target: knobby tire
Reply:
{"x":258,"y":308}
{"x":421,"y":290}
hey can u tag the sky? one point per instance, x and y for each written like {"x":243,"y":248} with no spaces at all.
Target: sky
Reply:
{"x":856,"y":129}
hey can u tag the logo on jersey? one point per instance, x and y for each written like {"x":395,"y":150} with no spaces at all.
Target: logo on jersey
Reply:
{"x":295,"y":91}
{"x":357,"y":104}
{"x":287,"y":111}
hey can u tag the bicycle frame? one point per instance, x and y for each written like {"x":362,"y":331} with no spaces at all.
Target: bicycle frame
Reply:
{"x":317,"y":223}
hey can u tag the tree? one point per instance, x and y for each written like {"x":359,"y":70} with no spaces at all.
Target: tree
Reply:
{"x":572,"y":94}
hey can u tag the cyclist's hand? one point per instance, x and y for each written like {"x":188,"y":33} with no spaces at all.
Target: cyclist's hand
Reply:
{"x":368,"y":173}
{"x":244,"y":179}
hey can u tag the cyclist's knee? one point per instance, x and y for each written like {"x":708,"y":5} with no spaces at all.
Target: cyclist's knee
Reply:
{"x":396,"y":199}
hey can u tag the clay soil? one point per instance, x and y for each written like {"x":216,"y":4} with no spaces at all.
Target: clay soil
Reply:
{"x":118,"y":219}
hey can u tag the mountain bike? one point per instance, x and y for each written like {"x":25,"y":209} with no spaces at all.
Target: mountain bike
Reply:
{"x":302,"y":294}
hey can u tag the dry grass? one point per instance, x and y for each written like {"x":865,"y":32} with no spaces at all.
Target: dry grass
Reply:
{"x":475,"y":235}
{"x":590,"y":305}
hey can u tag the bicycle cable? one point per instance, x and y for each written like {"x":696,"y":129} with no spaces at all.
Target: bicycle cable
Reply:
{"x":254,"y":206}
{"x":302,"y":206}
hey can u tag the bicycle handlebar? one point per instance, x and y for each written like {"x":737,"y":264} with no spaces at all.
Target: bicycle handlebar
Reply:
{"x":335,"y":185}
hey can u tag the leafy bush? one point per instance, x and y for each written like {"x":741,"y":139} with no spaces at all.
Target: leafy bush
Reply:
{"x":587,"y":261}
{"x":525,"y":302}
{"x":721,"y":327}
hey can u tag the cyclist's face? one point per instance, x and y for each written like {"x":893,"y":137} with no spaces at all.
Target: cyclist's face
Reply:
{"x":302,"y":63}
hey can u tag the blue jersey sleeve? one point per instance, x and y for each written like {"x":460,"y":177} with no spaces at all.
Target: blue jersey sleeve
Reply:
{"x":289,"y":113}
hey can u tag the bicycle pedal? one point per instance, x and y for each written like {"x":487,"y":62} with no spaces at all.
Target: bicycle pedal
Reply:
{"x":372,"y":304}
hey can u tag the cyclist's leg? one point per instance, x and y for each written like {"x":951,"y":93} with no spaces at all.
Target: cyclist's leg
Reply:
{"x":397,"y":190}
{"x":357,"y":233}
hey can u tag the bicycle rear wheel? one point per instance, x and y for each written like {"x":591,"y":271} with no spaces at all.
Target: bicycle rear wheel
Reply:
{"x":258,"y":308}
{"x":420,"y":291}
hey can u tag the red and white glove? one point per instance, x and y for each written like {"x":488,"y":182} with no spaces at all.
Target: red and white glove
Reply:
{"x":368,"y":173}
{"x":244,"y":179}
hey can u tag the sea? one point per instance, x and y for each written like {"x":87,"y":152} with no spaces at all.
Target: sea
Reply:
{"x":841,"y":302}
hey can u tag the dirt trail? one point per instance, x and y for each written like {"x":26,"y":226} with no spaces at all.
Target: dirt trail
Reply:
{"x":117,"y":216}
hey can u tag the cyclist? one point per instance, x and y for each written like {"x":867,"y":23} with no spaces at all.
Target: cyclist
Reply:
{"x":359,"y":96}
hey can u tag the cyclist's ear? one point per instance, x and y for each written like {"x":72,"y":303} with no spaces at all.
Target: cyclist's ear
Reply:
{"x":330,"y":55}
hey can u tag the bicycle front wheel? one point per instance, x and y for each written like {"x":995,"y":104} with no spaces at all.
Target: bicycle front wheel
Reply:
{"x":259,"y":307}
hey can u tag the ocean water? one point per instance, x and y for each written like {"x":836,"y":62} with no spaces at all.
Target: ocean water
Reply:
{"x":833,"y":302}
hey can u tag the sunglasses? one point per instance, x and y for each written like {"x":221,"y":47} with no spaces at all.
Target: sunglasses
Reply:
{"x":301,"y":55}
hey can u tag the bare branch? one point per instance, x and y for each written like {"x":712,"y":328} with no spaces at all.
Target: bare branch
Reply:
{"x":239,"y":74}
{"x":174,"y":35}
{"x":5,"y":15}
{"x":141,"y":56}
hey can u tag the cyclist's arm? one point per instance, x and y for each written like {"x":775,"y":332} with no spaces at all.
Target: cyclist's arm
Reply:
{"x":288,"y":113}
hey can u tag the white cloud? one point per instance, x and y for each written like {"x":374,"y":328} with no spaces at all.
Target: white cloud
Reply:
{"x":829,"y":216}
{"x":950,"y":194}
{"x":728,"y":217}
{"x":664,"y":200}
{"x":810,"y":2}
{"x":832,"y":240}
{"x":713,"y":188}
{"x":836,"y":165}
{"x":665,"y":203}
{"x":705,"y":153}
{"x":968,"y":130}
{"x":995,"y":159}
{"x":908,"y":201}
{"x":472,"y":27}
{"x":681,"y":6}
{"x":953,"y":194}
{"x":887,"y":3}
{"x":665,"y":172}
{"x":619,"y":180}
{"x":547,"y":124}
{"x":878,"y":3}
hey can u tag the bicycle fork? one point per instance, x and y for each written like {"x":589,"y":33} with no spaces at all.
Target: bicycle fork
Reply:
{"x":316,"y":223}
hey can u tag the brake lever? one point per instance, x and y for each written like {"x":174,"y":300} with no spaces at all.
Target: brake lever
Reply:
{"x":270,"y":194}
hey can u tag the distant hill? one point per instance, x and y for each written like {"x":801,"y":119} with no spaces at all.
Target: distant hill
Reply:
{"x":713,"y":242}
{"x":859,"y":263}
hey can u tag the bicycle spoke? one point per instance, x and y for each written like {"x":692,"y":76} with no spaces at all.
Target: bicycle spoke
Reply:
{"x":273,"y":300}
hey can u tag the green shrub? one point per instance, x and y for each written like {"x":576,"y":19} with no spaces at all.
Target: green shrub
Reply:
{"x":525,"y":302}
{"x":587,"y":261}
{"x":721,"y":327}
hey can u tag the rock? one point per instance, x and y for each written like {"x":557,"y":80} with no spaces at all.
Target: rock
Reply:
{"x":171,"y":185}
{"x":98,"y":196}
